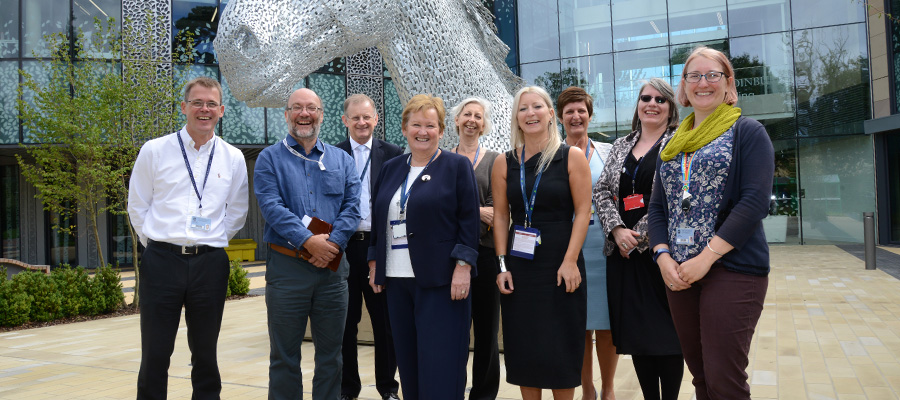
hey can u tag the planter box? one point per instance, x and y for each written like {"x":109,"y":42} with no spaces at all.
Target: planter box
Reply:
{"x":775,"y":227}
{"x":241,"y":249}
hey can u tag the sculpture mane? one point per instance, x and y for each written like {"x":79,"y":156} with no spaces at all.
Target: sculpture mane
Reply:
{"x":448,"y":48}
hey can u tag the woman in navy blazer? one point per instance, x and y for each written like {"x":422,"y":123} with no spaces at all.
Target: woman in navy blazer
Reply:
{"x":427,"y":282}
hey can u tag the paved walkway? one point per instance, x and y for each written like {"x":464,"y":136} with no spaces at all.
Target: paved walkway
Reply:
{"x":829,"y":331}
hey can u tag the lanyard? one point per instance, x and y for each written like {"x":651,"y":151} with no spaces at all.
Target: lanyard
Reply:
{"x":587,"y":150}
{"x":687,"y":163}
{"x":477,"y":150}
{"x":641,"y":161}
{"x":191,"y":172}
{"x":363,"y":173}
{"x":404,"y":193}
{"x":529,"y":207}
{"x":297,"y":153}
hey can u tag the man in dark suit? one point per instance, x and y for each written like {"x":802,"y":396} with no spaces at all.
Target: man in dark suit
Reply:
{"x":360,"y":118}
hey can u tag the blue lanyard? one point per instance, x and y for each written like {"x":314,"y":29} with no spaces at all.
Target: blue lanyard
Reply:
{"x":363,"y":173}
{"x":191,"y":172}
{"x":477,"y":151}
{"x":529,"y":207}
{"x":641,"y":161}
{"x":404,"y":194}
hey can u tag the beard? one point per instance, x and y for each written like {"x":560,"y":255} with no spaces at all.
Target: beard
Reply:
{"x":312,"y":133}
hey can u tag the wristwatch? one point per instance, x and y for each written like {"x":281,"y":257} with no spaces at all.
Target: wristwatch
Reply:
{"x":659,"y":252}
{"x":461,"y":263}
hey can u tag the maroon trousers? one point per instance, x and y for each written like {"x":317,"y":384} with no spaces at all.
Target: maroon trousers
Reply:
{"x":715,"y":320}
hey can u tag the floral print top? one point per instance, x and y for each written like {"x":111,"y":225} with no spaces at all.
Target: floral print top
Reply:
{"x":709,"y":172}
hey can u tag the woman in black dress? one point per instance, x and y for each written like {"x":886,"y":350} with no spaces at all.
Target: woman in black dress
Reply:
{"x":543,"y":303}
{"x":639,"y":314}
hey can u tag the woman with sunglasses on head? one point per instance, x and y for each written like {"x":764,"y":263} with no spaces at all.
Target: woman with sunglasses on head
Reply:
{"x":710,"y":194}
{"x":639,"y":311}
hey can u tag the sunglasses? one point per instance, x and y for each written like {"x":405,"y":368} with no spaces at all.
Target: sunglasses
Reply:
{"x":659,"y":99}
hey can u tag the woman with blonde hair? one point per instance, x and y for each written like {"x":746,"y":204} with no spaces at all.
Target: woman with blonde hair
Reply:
{"x":543,"y":187}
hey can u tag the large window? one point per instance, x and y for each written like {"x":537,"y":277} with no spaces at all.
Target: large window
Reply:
{"x":62,"y":245}
{"x":10,"y":231}
{"x":753,"y":17}
{"x":764,"y":76}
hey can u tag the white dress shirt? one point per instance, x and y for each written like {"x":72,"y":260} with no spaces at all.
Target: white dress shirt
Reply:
{"x":162,"y":200}
{"x":361,"y":153}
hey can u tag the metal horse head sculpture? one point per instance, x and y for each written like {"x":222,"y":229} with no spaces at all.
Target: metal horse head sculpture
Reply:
{"x":444,"y":47}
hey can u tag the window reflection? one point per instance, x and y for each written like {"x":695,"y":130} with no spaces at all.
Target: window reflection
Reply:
{"x":838,"y":186}
{"x":584,"y":27}
{"x":752,"y":17}
{"x":599,"y":82}
{"x":85,"y":11}
{"x":697,"y":20}
{"x":832,"y":72}
{"x":632,"y":68}
{"x":201,"y":19}
{"x":9,"y":115}
{"x":9,"y":28}
{"x":505,"y":20}
{"x":639,"y":24}
{"x":41,"y":18}
{"x":548,"y":76}
{"x":764,"y":76}
{"x":538,"y":31}
{"x":782,"y":225}
{"x":814,"y":13}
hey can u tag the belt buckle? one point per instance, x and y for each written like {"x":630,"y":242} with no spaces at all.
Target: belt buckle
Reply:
{"x":185,"y":252}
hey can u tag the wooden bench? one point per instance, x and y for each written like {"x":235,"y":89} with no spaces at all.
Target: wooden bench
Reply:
{"x":15,"y":266}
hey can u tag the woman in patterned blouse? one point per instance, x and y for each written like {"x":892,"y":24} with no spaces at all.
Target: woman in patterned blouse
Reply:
{"x":711,"y":192}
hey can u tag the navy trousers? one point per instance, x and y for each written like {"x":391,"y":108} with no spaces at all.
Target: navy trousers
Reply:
{"x":431,"y":339}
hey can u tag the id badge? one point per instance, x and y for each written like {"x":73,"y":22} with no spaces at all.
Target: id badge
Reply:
{"x":398,"y":234}
{"x":200,"y":223}
{"x":634,"y":202}
{"x":524,"y":242}
{"x":593,"y":213}
{"x":684,"y":236}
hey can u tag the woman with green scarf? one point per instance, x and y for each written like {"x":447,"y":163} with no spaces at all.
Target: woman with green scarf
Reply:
{"x":711,"y":192}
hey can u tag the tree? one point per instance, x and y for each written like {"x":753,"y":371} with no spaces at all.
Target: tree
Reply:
{"x":555,"y":82}
{"x":101,"y":100}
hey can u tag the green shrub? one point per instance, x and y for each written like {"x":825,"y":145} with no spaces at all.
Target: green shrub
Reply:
{"x":106,"y":290}
{"x":74,"y":287}
{"x":45,"y":297}
{"x":238,"y":283}
{"x":14,"y":305}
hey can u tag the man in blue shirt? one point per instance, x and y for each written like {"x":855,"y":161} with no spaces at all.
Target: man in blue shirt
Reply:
{"x":295,"y":180}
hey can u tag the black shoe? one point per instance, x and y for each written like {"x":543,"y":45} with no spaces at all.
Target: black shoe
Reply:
{"x":347,"y":397}
{"x":389,"y":396}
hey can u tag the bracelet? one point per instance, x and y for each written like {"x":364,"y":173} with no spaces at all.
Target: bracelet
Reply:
{"x":659,"y":253}
{"x":711,"y":249}
{"x":502,"y":261}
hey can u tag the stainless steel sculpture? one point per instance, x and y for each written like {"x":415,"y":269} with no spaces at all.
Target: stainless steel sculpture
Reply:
{"x":444,"y":47}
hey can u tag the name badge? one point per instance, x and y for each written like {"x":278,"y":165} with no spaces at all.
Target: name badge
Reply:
{"x":524,"y":242}
{"x":633,"y":202}
{"x":684,"y":236}
{"x":398,"y":234}
{"x":200,"y":223}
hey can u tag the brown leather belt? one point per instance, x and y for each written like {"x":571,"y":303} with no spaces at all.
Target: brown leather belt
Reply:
{"x":286,"y":251}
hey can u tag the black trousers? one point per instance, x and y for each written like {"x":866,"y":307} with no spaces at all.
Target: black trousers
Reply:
{"x":486,"y":326}
{"x":376,"y":304}
{"x":170,"y":281}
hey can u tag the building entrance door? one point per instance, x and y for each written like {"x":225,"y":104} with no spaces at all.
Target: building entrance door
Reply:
{"x":893,"y":185}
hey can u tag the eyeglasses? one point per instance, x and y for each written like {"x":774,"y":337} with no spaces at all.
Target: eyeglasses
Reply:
{"x":659,"y":99}
{"x":711,"y":76}
{"x":298,"y":108}
{"x":198,"y":104}
{"x":365,"y":118}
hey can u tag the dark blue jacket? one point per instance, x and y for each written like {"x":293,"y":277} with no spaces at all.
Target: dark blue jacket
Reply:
{"x":442,"y":218}
{"x":745,"y":201}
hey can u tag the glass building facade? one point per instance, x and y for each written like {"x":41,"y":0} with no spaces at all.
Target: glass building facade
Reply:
{"x":802,"y":69}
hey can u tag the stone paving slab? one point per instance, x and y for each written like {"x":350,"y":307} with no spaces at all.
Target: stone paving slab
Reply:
{"x":829,"y":330}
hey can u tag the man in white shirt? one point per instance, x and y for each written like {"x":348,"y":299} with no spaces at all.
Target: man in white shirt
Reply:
{"x":360,"y":118}
{"x":188,"y":196}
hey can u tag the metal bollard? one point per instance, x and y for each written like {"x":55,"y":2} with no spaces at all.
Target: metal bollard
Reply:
{"x":869,"y":232}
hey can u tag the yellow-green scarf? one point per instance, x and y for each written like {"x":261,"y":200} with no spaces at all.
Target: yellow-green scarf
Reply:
{"x":689,"y":140}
